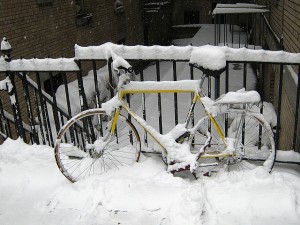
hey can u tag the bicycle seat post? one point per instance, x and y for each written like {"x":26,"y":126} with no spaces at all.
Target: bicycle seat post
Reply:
{"x":202,"y":79}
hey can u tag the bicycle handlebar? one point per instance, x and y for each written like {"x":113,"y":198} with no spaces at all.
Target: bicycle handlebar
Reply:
{"x":127,"y":70}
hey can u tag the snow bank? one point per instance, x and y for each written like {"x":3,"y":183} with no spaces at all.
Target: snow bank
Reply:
{"x":33,"y":191}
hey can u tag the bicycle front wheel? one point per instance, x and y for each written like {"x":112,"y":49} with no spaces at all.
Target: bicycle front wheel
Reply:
{"x":85,"y":145}
{"x":249,"y":143}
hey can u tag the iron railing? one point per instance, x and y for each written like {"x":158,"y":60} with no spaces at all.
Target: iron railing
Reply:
{"x":44,"y":114}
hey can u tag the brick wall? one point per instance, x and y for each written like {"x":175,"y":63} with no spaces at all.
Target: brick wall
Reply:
{"x":286,"y":23}
{"x":50,"y":31}
{"x":284,"y":18}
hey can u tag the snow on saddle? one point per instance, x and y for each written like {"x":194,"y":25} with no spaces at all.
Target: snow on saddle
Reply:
{"x":236,"y":100}
{"x":239,"y":97}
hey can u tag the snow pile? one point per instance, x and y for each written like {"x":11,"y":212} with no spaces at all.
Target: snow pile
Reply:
{"x":33,"y":191}
{"x":209,"y":57}
{"x":90,"y":92}
{"x":240,"y":96}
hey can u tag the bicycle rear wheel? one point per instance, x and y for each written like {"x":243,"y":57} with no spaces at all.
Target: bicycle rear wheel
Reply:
{"x":250,"y":141}
{"x":85,"y":145}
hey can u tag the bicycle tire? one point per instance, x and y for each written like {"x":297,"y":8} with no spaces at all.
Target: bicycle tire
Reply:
{"x":86,"y":147}
{"x":254,"y":145}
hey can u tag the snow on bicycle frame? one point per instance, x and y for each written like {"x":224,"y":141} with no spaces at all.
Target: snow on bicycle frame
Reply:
{"x":178,"y":153}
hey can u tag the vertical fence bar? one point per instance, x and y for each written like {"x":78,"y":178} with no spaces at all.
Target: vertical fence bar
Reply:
{"x":67,"y":95}
{"x":84,"y":106}
{"x":143,"y":101}
{"x":219,"y":29}
{"x":96,"y":84}
{"x":37,"y":107}
{"x":225,"y":32}
{"x":215,"y":29}
{"x":247,"y":29}
{"x":43,"y":110}
{"x":98,"y":101}
{"x":48,"y":122}
{"x":159,"y":98}
{"x":232,"y":31}
{"x":245,"y":76}
{"x":261,"y":87}
{"x":4,"y":121}
{"x":110,"y":78}
{"x":296,"y":112}
{"x":262,"y":31}
{"x":175,"y":94}
{"x":12,"y":91}
{"x":262,"y":96}
{"x":82,"y":98}
{"x":192,"y":78}
{"x":226,"y":91}
{"x":254,"y":30}
{"x":226,"y":27}
{"x":238,"y":19}
{"x":217,"y":87}
{"x":209,"y":86}
{"x":278,"y":128}
{"x":54,"y":106}
{"x":29,"y":108}
{"x":65,"y":81}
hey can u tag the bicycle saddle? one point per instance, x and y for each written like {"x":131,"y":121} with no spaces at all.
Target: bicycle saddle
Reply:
{"x":209,"y":72}
{"x":240,"y":97}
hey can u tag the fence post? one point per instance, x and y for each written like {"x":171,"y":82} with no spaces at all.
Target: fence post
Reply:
{"x":10,"y":87}
{"x":278,"y":128}
{"x":297,"y":113}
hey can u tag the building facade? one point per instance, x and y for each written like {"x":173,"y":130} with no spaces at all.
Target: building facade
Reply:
{"x":51,"y":28}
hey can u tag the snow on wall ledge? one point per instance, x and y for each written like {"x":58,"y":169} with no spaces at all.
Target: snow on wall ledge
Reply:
{"x":190,"y":53}
{"x":59,"y":64}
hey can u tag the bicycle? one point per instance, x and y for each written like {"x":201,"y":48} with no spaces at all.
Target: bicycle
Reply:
{"x":230,"y":136}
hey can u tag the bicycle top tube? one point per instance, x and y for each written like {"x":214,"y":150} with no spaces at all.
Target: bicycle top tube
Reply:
{"x":161,"y":86}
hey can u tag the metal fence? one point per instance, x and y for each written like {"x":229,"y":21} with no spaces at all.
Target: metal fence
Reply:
{"x":37,"y":116}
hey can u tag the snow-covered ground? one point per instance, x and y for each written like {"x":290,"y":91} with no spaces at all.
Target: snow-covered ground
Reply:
{"x":33,"y":191}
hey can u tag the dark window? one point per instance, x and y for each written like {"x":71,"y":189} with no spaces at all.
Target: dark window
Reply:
{"x":83,"y":15}
{"x":119,"y":6}
{"x":191,"y":17}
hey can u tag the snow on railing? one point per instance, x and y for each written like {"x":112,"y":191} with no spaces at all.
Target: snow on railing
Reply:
{"x":239,"y":8}
{"x":190,"y":53}
{"x":48,"y":64}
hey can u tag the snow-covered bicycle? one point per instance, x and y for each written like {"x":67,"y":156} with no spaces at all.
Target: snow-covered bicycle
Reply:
{"x":230,"y":136}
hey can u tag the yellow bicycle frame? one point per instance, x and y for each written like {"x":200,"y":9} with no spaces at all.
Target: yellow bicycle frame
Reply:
{"x":197,"y":96}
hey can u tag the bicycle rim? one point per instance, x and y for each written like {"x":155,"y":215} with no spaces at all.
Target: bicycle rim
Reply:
{"x":86,"y":147}
{"x":249,"y":137}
